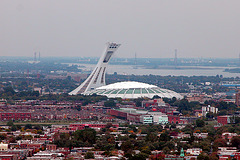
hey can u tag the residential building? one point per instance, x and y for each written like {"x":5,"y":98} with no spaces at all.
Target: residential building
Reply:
{"x":208,"y":109}
{"x":6,"y":116}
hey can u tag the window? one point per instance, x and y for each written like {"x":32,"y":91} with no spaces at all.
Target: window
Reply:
{"x":130,"y":91}
{"x":144,"y":91}
{"x":150,"y":91}
{"x":108,"y":56}
{"x":137,"y":91}
{"x":122,"y":91}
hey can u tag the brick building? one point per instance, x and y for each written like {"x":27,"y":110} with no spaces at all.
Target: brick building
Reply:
{"x":237,"y":99}
{"x":117,"y":113}
{"x":173,"y":119}
{"x":6,"y":116}
{"x":223,"y":119}
{"x":51,"y":147}
{"x":79,"y":126}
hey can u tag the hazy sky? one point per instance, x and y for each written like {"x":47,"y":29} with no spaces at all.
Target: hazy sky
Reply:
{"x":150,"y":28}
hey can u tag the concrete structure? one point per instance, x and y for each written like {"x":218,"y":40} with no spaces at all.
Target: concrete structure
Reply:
{"x":159,"y":117}
{"x":95,"y":83}
{"x":97,"y":77}
{"x":146,"y":119}
{"x":132,"y":90}
{"x":163,"y":119}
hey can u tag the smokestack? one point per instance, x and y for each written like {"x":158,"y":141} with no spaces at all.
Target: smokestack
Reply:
{"x":175,"y":59}
{"x":239,"y":60}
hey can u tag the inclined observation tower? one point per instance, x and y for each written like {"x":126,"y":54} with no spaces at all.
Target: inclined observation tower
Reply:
{"x":97,"y":77}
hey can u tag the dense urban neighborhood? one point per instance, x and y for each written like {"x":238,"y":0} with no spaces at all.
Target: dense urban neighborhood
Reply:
{"x":40,"y":120}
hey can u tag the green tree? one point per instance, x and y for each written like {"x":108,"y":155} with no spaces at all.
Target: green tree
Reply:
{"x":183,"y":105}
{"x":13,"y":128}
{"x":127,"y":146}
{"x":38,"y":127}
{"x":9,"y":91}
{"x":10,"y":123}
{"x":78,"y":107}
{"x":166,"y":150}
{"x":110,"y":103}
{"x":203,"y":156}
{"x":86,"y":135}
{"x":200,"y":123}
{"x":3,"y":136}
{"x":152,"y":136}
{"x":164,"y":137}
{"x":62,"y":140}
{"x":140,"y":156}
{"x":219,"y":142}
{"x":236,"y":142}
{"x":213,"y":156}
{"x":28,"y":126}
{"x":89,"y":155}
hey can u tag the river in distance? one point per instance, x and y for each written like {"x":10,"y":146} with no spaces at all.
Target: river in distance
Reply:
{"x":129,"y":70}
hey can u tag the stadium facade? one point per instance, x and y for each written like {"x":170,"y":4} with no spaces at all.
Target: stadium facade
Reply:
{"x":132,"y":90}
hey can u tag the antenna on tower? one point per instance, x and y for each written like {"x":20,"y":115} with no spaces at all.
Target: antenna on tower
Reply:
{"x":175,"y":59}
{"x":35,"y":56}
{"x":135,"y":60}
{"x":239,"y":60}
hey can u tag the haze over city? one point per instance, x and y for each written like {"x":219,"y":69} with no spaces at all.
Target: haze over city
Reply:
{"x":152,"y":29}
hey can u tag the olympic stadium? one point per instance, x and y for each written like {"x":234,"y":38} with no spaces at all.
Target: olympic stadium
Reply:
{"x":132,"y":90}
{"x":95,"y":83}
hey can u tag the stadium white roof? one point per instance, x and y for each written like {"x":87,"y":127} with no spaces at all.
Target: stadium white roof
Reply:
{"x":127,"y":85}
{"x":132,"y":90}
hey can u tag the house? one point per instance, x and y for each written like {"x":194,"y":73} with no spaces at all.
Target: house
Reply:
{"x":194,"y":151}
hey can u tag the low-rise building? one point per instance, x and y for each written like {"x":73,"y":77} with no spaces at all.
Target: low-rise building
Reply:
{"x":228,"y":135}
{"x":3,"y":147}
{"x":226,"y":152}
{"x":224,"y":119}
{"x":159,"y":117}
{"x":6,"y":116}
{"x":146,"y":119}
{"x":200,"y":135}
{"x":81,"y":126}
{"x":194,"y":151}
